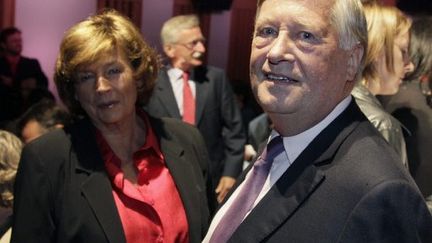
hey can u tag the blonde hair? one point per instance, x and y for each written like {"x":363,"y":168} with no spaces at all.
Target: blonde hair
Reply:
{"x":88,"y":40}
{"x":171,"y":28}
{"x":384,"y":23}
{"x":10,"y":153}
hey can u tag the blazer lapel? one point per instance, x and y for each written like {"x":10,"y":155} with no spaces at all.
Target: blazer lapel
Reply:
{"x":301,"y":179}
{"x":199,"y":75}
{"x":181,"y":172}
{"x":166,"y":97}
{"x":96,"y":187}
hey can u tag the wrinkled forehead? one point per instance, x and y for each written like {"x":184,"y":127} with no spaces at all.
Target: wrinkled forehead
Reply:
{"x":103,"y":57}
{"x":303,"y":13}
{"x":320,"y":7}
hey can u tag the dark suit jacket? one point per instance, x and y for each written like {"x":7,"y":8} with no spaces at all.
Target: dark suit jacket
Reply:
{"x":348,"y":185}
{"x":409,"y":106}
{"x":258,"y":131}
{"x":63,"y":194}
{"x":27,"y":68}
{"x":217,"y":117}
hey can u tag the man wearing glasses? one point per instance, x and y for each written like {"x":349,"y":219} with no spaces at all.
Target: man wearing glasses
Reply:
{"x":202,"y":96}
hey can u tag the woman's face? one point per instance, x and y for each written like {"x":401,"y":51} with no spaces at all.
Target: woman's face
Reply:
{"x":390,"y":81}
{"x":106,"y":90}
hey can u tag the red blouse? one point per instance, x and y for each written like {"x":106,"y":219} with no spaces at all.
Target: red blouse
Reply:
{"x":151,"y":210}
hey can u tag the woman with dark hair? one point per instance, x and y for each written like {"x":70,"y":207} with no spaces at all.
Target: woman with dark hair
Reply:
{"x":412,"y":105}
{"x":116,"y":174}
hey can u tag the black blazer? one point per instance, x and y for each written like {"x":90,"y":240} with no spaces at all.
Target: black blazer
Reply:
{"x":27,"y":68}
{"x":217,"y":117}
{"x":348,"y":185}
{"x":63,"y":193}
{"x":409,"y":105}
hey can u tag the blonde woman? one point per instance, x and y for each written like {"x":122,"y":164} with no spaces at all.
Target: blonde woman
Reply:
{"x":387,"y":62}
{"x":10,"y":152}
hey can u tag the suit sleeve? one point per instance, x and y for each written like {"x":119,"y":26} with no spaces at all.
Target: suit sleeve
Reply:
{"x":33,"y":201}
{"x":42,"y":81}
{"x":405,"y":217}
{"x":233,"y":133}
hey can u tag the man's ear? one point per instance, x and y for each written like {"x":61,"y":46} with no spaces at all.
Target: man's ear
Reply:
{"x":169,"y":50}
{"x":354,"y":61}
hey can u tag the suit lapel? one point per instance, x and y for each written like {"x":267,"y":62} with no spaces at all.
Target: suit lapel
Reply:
{"x":166,"y":97}
{"x":290,"y":191}
{"x":199,"y":75}
{"x":181,"y":172}
{"x":96,"y":187}
{"x":301,"y":179}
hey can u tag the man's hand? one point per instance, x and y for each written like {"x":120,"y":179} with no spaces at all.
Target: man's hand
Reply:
{"x":225,"y":184}
{"x":249,"y":153}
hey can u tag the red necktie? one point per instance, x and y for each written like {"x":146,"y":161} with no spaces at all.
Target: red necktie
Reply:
{"x":188,"y":101}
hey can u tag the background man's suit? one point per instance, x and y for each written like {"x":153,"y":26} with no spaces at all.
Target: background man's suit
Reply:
{"x":259,"y":130}
{"x":335,"y":189}
{"x":75,"y":193}
{"x":27,"y":68}
{"x":217,"y":117}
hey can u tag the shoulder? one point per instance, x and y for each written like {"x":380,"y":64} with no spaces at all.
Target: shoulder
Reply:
{"x":376,"y":114}
{"x":46,"y":156}
{"x":209,"y":71}
{"x":383,"y":120}
{"x":50,"y":143}
{"x":29,"y":60}
{"x":172,"y":128}
{"x":57,"y":145}
{"x":367,"y":160}
{"x":215,"y":69}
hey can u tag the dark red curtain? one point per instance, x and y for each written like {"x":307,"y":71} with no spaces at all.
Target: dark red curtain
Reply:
{"x":7,"y":13}
{"x":130,"y":8}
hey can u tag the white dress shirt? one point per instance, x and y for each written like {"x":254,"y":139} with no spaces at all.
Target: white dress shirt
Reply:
{"x":293,"y":147}
{"x":176,"y":79}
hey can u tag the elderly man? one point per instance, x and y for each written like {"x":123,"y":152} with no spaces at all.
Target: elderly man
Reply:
{"x":326,"y":174}
{"x":202,"y":96}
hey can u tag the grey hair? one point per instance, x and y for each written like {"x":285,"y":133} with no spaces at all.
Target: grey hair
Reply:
{"x":347,"y":17}
{"x":170,"y":29}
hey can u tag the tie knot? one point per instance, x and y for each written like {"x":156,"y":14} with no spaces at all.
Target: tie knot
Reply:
{"x":185,"y":76}
{"x":274,"y":147}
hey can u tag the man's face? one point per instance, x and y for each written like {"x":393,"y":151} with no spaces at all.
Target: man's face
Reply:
{"x":297,"y":68}
{"x":188,"y":51}
{"x":13,"y":44}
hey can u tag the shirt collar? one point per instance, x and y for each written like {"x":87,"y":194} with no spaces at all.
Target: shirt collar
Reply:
{"x":294,"y":145}
{"x":175,"y":73}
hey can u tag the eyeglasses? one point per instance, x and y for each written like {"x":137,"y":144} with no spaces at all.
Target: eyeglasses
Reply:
{"x":192,"y":44}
